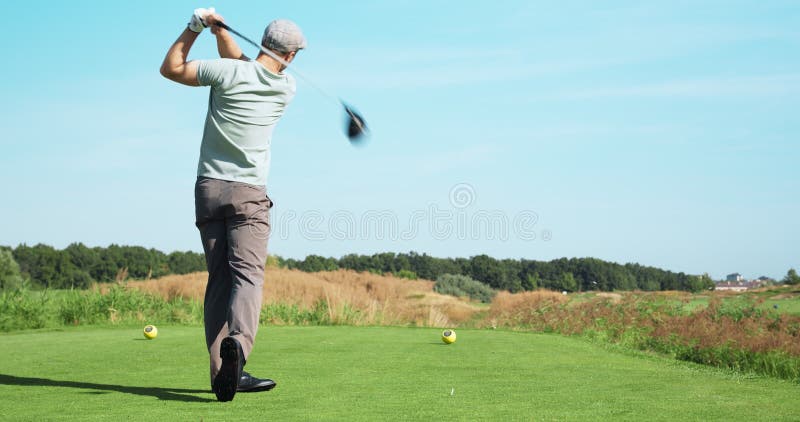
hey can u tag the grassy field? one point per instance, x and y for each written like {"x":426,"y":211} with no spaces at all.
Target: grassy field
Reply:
{"x":745,"y":332}
{"x":370,"y":373}
{"x":785,"y":300}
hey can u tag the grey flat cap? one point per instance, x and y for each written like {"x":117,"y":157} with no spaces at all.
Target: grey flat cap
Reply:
{"x":284,"y":36}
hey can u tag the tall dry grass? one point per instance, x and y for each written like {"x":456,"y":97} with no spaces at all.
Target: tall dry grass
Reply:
{"x":345,"y":296}
{"x":537,"y":309}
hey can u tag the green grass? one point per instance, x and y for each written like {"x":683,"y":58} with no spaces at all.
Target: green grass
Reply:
{"x":790,"y":306}
{"x":370,"y":373}
{"x":696,"y":303}
{"x":785,"y":305}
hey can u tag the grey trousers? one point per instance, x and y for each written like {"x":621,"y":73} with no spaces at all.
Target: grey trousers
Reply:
{"x":233,"y":219}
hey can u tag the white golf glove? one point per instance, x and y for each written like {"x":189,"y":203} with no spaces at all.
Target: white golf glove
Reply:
{"x":196,"y":24}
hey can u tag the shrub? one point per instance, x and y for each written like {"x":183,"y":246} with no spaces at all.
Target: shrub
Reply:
{"x":22,"y":308}
{"x":791,"y":277}
{"x":10,"y":276}
{"x":463,"y":286}
{"x":407,"y":274}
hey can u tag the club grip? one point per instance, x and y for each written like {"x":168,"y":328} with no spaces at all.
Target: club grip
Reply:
{"x":223,"y":25}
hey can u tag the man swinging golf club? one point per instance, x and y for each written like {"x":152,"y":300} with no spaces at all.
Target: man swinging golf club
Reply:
{"x":231,"y":204}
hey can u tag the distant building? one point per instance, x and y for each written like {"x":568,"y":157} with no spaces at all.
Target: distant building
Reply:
{"x":737,"y":286}
{"x":730,"y":286}
{"x":735,"y":277}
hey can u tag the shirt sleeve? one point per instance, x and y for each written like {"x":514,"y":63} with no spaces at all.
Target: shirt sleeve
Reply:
{"x":292,"y":89}
{"x":215,"y":73}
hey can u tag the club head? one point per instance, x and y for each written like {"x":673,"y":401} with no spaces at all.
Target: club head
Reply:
{"x":355,"y":126}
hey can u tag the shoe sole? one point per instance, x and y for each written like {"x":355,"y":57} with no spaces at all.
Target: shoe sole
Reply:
{"x":227,"y":381}
{"x":261,"y":388}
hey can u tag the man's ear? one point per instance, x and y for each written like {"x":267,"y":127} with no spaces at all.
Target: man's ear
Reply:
{"x":289,"y":57}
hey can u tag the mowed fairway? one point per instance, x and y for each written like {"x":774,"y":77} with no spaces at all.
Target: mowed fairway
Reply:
{"x":372,"y":373}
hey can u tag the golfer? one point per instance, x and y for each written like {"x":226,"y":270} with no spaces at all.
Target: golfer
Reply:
{"x":247,"y":99}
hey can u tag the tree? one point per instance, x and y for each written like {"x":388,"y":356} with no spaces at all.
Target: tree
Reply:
{"x":488,"y":270}
{"x":82,"y":256}
{"x":185,"y":262}
{"x":532,"y":281}
{"x":50,"y":268}
{"x":10,"y":276}
{"x":791,"y":277}
{"x":700,"y":283}
{"x":316,"y":263}
{"x":423,"y":265}
{"x":568,"y":282}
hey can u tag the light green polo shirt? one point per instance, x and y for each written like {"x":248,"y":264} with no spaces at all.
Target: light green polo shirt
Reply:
{"x":245,"y":104}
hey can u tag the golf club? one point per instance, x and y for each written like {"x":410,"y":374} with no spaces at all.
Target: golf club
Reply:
{"x":356,"y":128}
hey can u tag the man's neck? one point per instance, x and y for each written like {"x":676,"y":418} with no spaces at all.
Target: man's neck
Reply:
{"x":270,"y":64}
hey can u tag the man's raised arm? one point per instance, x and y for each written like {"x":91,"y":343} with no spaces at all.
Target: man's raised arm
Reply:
{"x":226,"y":45}
{"x":175,"y":67}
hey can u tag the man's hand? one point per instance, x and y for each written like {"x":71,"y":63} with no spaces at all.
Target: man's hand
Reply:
{"x":211,"y":21}
{"x":198,"y":20}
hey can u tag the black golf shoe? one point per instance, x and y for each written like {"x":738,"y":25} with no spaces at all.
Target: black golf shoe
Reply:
{"x":251,"y":384}
{"x":227,"y":381}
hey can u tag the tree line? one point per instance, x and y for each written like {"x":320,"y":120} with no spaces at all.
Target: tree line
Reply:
{"x":78,"y":266}
{"x":514,"y":275}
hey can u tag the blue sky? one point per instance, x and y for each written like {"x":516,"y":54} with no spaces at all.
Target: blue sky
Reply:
{"x":664,"y":133}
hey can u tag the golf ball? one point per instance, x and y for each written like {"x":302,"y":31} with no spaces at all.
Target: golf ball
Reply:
{"x":150,"y":332}
{"x":449,"y":336}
